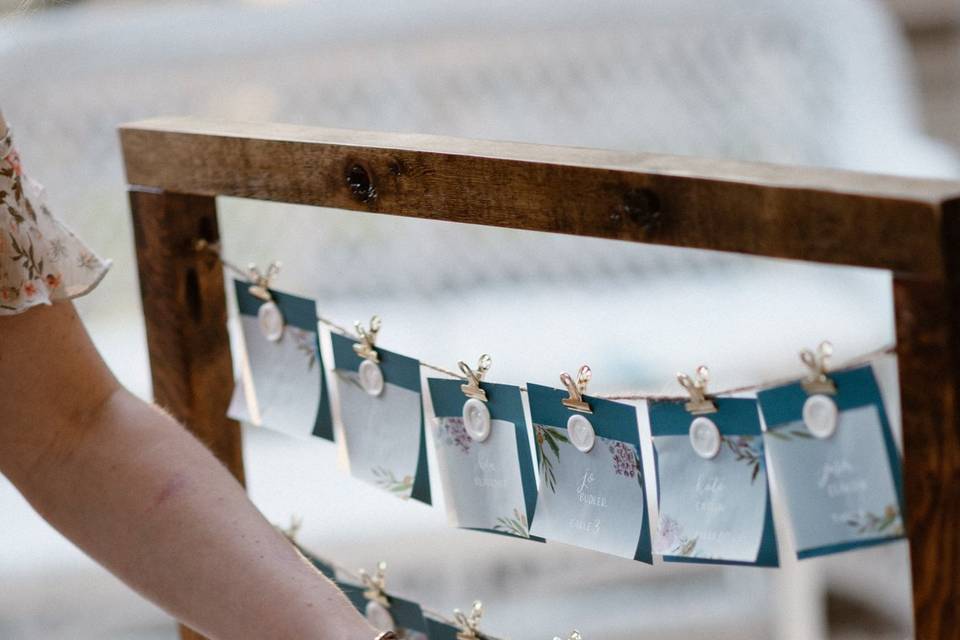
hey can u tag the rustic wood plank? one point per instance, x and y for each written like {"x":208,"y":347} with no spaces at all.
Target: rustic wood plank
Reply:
{"x":184,"y":306}
{"x":928,"y":349}
{"x":807,"y":214}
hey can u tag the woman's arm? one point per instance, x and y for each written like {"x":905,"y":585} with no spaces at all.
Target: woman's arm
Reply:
{"x":133,"y":489}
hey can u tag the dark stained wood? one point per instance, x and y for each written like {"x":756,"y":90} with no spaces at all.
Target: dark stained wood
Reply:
{"x":186,"y":318}
{"x":806,"y":214}
{"x":911,"y":227}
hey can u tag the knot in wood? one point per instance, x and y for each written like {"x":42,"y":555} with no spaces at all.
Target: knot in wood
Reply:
{"x":642,"y":208}
{"x":360,"y":183}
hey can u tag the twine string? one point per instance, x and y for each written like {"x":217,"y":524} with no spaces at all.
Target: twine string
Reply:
{"x":864,"y":358}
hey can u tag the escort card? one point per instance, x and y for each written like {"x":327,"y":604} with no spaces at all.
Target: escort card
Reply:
{"x":488,"y":478}
{"x":841,"y":479}
{"x":591,"y":478}
{"x":382,"y":414}
{"x":714,"y":496}
{"x":282,"y":386}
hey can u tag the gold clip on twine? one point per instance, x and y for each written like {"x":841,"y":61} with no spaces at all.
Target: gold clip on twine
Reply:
{"x":818,"y":381}
{"x":576,"y":389}
{"x":260,"y":282}
{"x":375,"y":585}
{"x":469,"y":624}
{"x":699,"y":403}
{"x":472,"y":388}
{"x":368,"y":339}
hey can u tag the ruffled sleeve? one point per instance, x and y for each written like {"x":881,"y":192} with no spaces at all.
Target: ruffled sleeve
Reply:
{"x":41,"y":260}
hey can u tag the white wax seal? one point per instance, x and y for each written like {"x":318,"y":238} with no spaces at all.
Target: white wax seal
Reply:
{"x":379,"y":616}
{"x":581,"y":433}
{"x":705,"y":437}
{"x":476,"y":419}
{"x":371,"y":377}
{"x":271,"y":321}
{"x":820,"y":415}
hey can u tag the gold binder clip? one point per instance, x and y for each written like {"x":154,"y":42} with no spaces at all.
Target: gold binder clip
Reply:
{"x":368,"y":339}
{"x":469,"y":624}
{"x":817,"y":381}
{"x":576,"y":389}
{"x":575,"y":635}
{"x":472,"y":388}
{"x":378,"y":604}
{"x":260,"y":281}
{"x":375,"y":585}
{"x":699,"y":403}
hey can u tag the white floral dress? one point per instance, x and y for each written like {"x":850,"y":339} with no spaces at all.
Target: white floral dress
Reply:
{"x":41,"y":261}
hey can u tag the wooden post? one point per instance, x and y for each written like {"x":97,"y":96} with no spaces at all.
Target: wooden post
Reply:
{"x":185,"y":310}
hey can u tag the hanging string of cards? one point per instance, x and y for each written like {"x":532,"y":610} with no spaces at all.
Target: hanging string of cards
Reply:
{"x":827,"y":441}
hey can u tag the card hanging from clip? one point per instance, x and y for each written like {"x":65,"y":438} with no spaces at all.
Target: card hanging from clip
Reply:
{"x":476,"y":415}
{"x":819,"y":410}
{"x":381,"y":410}
{"x":591,"y":472}
{"x":378,"y":604}
{"x":283,"y":380}
{"x":483,"y":452}
{"x":704,"y":434}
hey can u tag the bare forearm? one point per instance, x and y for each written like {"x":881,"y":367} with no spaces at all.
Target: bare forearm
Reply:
{"x":145,"y":499}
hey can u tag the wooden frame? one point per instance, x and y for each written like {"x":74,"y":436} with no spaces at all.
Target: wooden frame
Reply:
{"x":176,"y":167}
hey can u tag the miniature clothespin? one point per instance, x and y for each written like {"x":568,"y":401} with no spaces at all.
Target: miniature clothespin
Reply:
{"x":368,"y":338}
{"x":472,"y":388}
{"x":469,"y":624}
{"x":699,"y":403}
{"x":575,"y":635}
{"x":375,"y":585}
{"x":260,"y":282}
{"x":576,"y":389}
{"x":817,"y":381}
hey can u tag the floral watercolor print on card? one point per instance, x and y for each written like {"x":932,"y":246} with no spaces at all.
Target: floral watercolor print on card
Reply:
{"x":382,"y":414}
{"x":842,"y":490}
{"x":489,"y":484}
{"x":595,"y":498}
{"x":713,"y":508}
{"x":282,"y":385}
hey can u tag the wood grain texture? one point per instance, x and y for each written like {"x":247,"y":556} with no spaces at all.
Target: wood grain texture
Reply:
{"x":760,"y":209}
{"x":186,"y":320}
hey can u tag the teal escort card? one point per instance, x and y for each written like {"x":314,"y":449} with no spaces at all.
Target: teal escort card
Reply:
{"x":838,"y":468}
{"x":441,"y":630}
{"x":714,"y":496}
{"x":381,"y":409}
{"x":488,"y":478}
{"x":283,"y":385}
{"x":591,"y":478}
{"x":402,"y":616}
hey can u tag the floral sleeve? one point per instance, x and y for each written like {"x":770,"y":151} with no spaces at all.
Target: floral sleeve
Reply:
{"x":41,"y":261}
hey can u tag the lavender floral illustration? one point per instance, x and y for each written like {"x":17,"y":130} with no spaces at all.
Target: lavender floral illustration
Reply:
{"x":515,"y":525}
{"x":305,"y":345}
{"x":745,"y":449}
{"x":888,"y":522}
{"x":386,"y":479}
{"x":671,"y":541}
{"x":626,"y":460}
{"x":453,"y":434}
{"x":548,"y":440}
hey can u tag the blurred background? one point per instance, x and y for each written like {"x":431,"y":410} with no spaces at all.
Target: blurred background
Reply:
{"x":870,"y":85}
